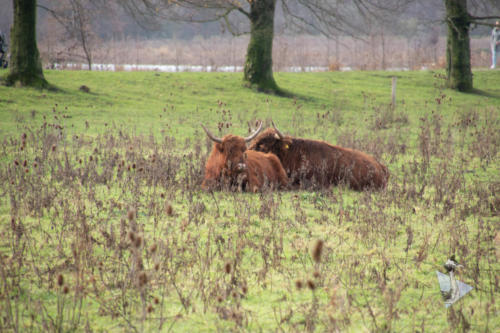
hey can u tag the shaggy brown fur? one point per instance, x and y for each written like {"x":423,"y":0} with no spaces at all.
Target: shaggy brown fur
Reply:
{"x":317,"y":163}
{"x":230,"y":163}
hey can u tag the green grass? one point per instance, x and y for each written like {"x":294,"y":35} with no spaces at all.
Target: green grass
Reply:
{"x":69,"y":214}
{"x":139,"y":98}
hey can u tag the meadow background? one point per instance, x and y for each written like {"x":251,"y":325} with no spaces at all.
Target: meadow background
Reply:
{"x":291,"y":53}
{"x":105,"y":227}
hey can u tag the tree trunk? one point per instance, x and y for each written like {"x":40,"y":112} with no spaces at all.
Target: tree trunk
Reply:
{"x":259,"y":62}
{"x":458,"y":68}
{"x":25,"y":65}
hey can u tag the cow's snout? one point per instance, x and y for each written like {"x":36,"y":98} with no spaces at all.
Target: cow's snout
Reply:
{"x":241,"y":167}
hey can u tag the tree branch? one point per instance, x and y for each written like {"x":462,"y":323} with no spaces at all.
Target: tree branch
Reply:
{"x":484,"y":17}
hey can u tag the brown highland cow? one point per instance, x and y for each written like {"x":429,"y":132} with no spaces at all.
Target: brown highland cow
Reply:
{"x":312,"y":163}
{"x":231,"y":164}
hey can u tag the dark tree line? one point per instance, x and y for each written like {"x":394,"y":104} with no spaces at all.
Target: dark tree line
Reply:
{"x":328,"y":17}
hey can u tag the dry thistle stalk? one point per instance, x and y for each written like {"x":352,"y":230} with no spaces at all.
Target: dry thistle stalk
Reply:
{"x":311,"y":285}
{"x":131,"y":214}
{"x":169,"y":210}
{"x":143,"y":279}
{"x":227,"y":267}
{"x":138,"y":241}
{"x":317,"y":251}
{"x":299,"y":284}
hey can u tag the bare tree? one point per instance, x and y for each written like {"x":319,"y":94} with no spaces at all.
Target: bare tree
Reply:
{"x":76,"y":16}
{"x":256,"y":17}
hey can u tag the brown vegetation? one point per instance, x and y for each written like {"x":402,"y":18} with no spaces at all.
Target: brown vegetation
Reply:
{"x":290,"y":53}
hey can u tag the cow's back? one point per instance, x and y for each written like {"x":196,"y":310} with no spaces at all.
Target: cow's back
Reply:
{"x":312,"y":162}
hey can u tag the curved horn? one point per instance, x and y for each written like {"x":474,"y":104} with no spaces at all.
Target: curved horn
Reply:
{"x":278,"y":131}
{"x":254,"y":134}
{"x":210,"y":135}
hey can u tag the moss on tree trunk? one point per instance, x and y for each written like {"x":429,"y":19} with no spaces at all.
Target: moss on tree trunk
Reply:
{"x":458,"y":67}
{"x":25,"y":64}
{"x":259,"y":62}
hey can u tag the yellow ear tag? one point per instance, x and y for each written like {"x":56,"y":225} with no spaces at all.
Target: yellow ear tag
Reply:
{"x":286,"y":146}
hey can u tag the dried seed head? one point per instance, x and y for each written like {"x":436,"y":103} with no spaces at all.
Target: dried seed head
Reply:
{"x":317,"y":251}
{"x":65,"y":290}
{"x":316,"y":274}
{"x":131,"y":236}
{"x":138,"y":241}
{"x":157,"y":266}
{"x":244,"y":289}
{"x":139,"y":263}
{"x":150,"y":308}
{"x":299,"y":284}
{"x":156,"y":300}
{"x":143,"y":279}
{"x":153,"y":248}
{"x":169,"y":210}
{"x":227,"y":267}
{"x":311,"y":285}
{"x":54,"y":147}
{"x":220,"y":299}
{"x":60,"y":280}
{"x":131,"y":214}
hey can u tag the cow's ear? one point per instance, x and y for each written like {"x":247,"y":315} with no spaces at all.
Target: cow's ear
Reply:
{"x":219,"y":147}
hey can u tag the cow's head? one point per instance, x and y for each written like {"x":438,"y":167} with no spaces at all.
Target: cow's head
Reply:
{"x":272,"y":141}
{"x":232,"y":148}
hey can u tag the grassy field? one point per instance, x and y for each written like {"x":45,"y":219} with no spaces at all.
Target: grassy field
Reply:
{"x":105,"y":228}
